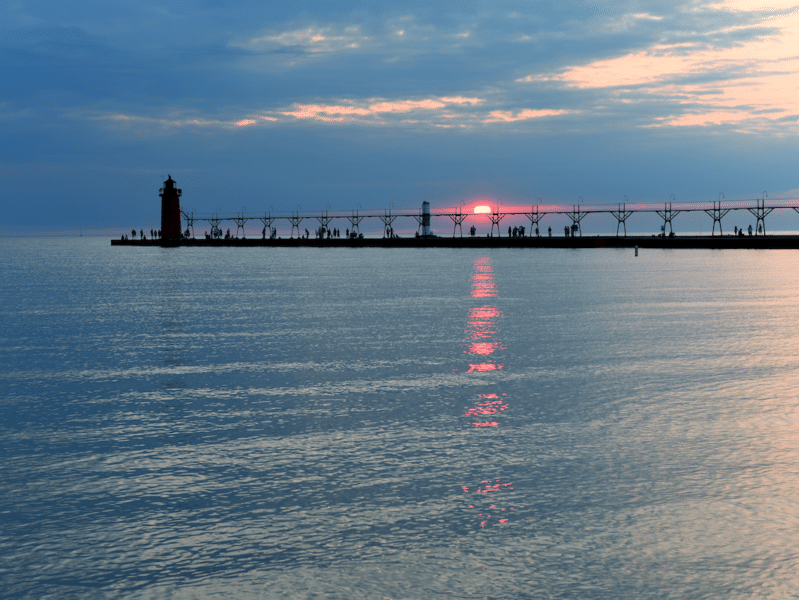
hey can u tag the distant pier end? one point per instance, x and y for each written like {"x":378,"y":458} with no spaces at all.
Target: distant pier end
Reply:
{"x":171,"y":227}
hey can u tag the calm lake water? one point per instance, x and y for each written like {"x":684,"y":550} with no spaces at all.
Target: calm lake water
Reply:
{"x":344,"y":423}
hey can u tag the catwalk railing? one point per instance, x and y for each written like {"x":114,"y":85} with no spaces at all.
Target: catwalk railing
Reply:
{"x":759,"y":208}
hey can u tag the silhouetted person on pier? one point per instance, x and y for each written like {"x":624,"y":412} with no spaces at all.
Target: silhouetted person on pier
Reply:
{"x":133,"y":233}
{"x":550,"y":232}
{"x":347,"y":232}
{"x":566,"y":231}
{"x":750,"y":230}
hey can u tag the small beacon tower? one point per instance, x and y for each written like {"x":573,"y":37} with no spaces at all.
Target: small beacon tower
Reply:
{"x":171,"y":228}
{"x":426,"y":218}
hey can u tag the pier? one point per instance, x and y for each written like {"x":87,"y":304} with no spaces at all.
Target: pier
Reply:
{"x":321,"y":228}
{"x":770,"y":242}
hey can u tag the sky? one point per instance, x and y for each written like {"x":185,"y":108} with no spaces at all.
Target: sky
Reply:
{"x":371,"y":105}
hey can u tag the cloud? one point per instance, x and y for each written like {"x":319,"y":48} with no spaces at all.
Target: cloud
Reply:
{"x":312,"y":111}
{"x":406,"y":106}
{"x":755,"y":5}
{"x":504,"y":116}
{"x":745,"y":74}
{"x":375,"y":111}
{"x":462,"y":100}
{"x":314,"y":39}
{"x":704,"y":119}
{"x":432,"y":68}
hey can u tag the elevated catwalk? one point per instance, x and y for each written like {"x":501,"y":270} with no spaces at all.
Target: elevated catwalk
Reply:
{"x":760,"y":242}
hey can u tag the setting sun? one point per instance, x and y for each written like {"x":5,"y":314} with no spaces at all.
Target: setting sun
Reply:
{"x":482,"y":209}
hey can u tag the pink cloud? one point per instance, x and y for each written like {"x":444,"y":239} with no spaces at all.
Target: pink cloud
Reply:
{"x":633,"y":69}
{"x":461,"y":100}
{"x":506,"y":116}
{"x":245,"y":122}
{"x":761,"y":91}
{"x":376,"y":110}
{"x":312,"y":111}
{"x":406,"y":105}
{"x":704,"y":119}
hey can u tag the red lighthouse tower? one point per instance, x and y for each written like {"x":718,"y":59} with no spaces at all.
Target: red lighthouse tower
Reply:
{"x":171,"y":228}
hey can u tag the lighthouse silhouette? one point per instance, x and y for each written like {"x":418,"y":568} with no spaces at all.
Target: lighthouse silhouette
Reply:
{"x":170,"y":210}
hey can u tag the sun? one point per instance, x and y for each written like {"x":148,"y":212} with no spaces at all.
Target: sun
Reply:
{"x":482,"y":209}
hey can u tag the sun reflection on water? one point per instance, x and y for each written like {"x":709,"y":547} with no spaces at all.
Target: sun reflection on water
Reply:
{"x":482,"y":327}
{"x":483,"y":279}
{"x":490,"y":406}
{"x":491,"y":513}
{"x":483,"y":321}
